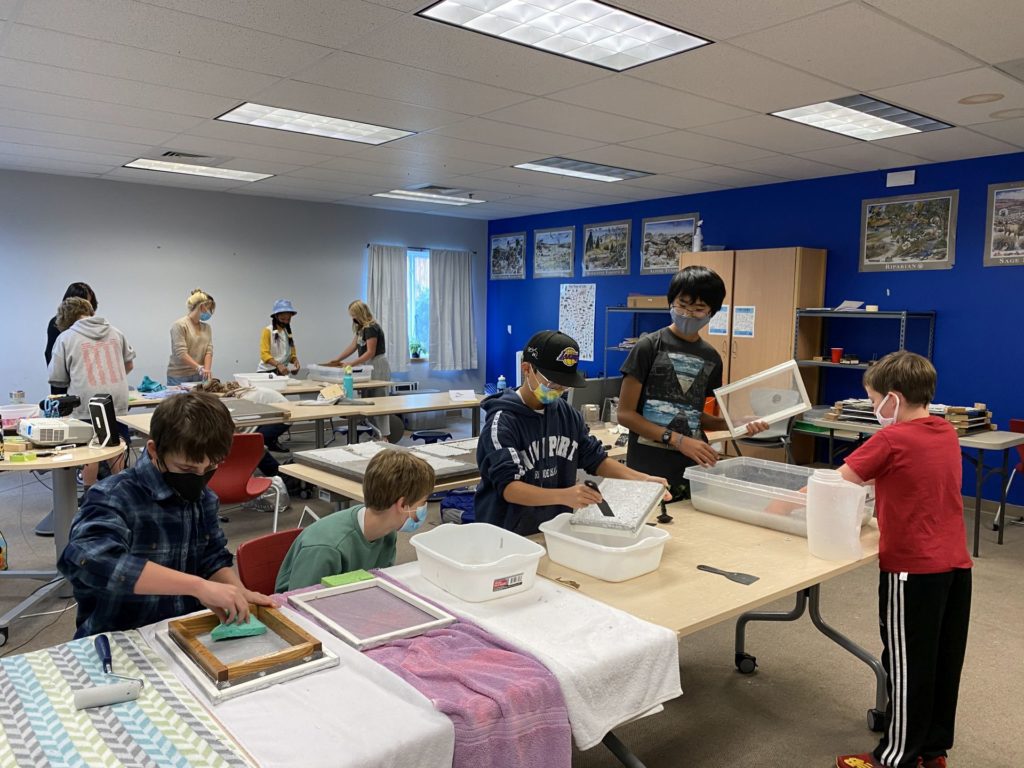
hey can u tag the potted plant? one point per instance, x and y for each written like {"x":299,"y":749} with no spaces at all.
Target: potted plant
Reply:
{"x":415,"y":348}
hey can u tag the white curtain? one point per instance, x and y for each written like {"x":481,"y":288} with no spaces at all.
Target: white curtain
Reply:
{"x":387,"y":267}
{"x":452,"y":333}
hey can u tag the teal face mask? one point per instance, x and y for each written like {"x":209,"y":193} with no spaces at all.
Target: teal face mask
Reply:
{"x":545,"y":394}
{"x":411,"y":525}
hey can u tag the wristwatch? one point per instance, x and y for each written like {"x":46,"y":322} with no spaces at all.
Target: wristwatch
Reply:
{"x":666,"y":437}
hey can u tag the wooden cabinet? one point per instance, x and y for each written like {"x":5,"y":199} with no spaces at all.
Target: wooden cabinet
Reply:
{"x":774,"y":282}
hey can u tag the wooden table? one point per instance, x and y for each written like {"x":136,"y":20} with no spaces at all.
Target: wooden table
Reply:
{"x":62,"y":468}
{"x":352,"y":490}
{"x":995,"y":440}
{"x":685,"y":600}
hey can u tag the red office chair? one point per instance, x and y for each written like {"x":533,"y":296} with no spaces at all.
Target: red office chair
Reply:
{"x":233,"y":481}
{"x":1016,"y":425}
{"x":260,"y":559}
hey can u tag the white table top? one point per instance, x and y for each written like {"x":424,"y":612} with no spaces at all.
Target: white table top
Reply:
{"x":72,"y":457}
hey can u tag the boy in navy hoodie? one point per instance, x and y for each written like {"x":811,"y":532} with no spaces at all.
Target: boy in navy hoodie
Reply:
{"x":533,"y":442}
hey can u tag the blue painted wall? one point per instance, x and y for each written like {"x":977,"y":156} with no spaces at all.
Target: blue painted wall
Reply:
{"x":979,"y":351}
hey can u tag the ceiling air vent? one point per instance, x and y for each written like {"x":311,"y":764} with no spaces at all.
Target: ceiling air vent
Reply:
{"x":187,"y":157}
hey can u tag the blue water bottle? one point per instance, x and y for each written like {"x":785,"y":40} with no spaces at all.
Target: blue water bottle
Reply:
{"x":350,"y":391}
{"x":502,"y":384}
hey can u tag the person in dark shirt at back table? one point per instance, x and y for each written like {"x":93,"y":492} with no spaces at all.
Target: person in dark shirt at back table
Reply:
{"x":77,"y":290}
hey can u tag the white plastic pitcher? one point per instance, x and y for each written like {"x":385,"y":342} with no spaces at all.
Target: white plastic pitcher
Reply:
{"x":835,"y":509}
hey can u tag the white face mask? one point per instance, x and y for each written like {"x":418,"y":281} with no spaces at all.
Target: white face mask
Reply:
{"x":888,"y":421}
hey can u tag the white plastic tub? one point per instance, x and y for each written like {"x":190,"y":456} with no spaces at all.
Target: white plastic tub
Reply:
{"x":610,"y":558}
{"x":477,"y":561}
{"x":334,"y":375}
{"x":263,"y":380}
{"x":12,"y":413}
{"x":756,"y":491}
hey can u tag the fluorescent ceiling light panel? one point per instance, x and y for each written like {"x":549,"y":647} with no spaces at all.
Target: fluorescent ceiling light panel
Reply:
{"x":585,"y":30}
{"x":862,"y":117}
{"x":196,"y":170}
{"x":563,"y":166}
{"x":416,"y":196}
{"x":309,"y":123}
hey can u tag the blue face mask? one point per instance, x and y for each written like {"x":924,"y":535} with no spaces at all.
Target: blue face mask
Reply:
{"x":688,"y":326}
{"x":205,"y":316}
{"x":545,"y":394}
{"x":411,"y":525}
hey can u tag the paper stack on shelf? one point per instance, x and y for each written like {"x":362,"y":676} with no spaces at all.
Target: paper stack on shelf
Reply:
{"x":966,"y":420}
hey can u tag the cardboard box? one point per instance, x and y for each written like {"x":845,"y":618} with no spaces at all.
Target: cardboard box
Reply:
{"x":637,"y":301}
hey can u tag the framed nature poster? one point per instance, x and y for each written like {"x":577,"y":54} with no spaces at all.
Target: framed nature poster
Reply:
{"x":907,"y":233}
{"x":508,"y":257}
{"x":606,"y":249}
{"x":664,"y":239}
{"x":553,"y":252}
{"x":1004,"y":230}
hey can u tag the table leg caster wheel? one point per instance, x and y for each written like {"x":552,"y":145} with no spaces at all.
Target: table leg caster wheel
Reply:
{"x":876,"y":720}
{"x":746,"y":663}
{"x":3,"y":635}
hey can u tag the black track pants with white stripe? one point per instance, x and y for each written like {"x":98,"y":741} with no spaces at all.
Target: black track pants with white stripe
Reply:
{"x":924,"y":619}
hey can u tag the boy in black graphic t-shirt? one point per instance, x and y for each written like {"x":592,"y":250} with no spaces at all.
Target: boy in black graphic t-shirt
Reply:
{"x":533,"y":442}
{"x":666,"y":379}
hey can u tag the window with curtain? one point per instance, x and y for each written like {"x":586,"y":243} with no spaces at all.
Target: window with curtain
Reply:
{"x":453,"y":342}
{"x":418,"y":301}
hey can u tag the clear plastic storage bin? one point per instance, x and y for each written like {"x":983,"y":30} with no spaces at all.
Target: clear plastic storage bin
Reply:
{"x":332,"y":375}
{"x":263,"y":380}
{"x":477,"y":561}
{"x":12,"y":413}
{"x":756,"y":491}
{"x":611,"y":558}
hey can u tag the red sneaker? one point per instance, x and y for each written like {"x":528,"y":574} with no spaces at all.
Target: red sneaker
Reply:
{"x":935,"y":762}
{"x":866,"y":760}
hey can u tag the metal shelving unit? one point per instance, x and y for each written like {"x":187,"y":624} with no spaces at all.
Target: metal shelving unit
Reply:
{"x":636,"y":312}
{"x":904,"y":317}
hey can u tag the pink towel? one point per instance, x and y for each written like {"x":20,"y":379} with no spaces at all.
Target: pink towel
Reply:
{"x":507,"y":709}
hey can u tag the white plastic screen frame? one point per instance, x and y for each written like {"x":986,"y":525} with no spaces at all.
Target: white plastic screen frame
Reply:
{"x":737,"y":423}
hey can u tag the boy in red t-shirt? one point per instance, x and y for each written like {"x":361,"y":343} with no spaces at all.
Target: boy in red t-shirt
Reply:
{"x":924,"y":589}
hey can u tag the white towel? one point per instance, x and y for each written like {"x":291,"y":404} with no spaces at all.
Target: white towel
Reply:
{"x":612,"y":667}
{"x":355,"y":715}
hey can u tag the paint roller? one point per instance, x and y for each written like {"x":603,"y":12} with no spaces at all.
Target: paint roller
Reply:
{"x":125,"y":689}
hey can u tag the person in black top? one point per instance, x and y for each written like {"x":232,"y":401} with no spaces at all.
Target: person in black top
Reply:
{"x":371,"y":347}
{"x":665,"y":380}
{"x":78,"y":290}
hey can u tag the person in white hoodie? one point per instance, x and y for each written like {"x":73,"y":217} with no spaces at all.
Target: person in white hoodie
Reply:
{"x":90,"y":357}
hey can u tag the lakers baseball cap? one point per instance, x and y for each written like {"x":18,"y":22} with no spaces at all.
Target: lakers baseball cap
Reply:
{"x":557,"y":356}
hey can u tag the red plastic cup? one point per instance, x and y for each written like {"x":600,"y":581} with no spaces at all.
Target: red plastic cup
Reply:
{"x":837,"y":354}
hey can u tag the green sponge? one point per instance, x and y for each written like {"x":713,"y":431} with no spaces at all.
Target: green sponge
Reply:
{"x":230,"y":631}
{"x":340,"y":579}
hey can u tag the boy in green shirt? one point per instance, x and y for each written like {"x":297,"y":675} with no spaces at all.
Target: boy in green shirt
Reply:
{"x":395,"y":486}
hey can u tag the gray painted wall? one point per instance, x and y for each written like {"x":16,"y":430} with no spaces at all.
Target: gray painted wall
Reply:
{"x":143,"y":248}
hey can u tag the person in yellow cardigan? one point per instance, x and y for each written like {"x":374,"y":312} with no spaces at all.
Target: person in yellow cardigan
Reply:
{"x":277,"y":347}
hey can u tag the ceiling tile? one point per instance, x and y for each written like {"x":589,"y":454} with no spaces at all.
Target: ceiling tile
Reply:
{"x":73,"y":155}
{"x":66,"y":141}
{"x":551,"y":183}
{"x":6,"y":7}
{"x":674,"y":185}
{"x":319,"y":99}
{"x":636,"y":159}
{"x":862,"y":156}
{"x":857,"y":46}
{"x":259,"y":166}
{"x":399,"y":157}
{"x":74,"y":127}
{"x":219,"y":147}
{"x":377,"y":178}
{"x":949,"y":144}
{"x":543,"y":143}
{"x":101,"y":88}
{"x":439,"y":47}
{"x":731,"y":177}
{"x":332,"y":23}
{"x":775,"y":134}
{"x":53,"y":104}
{"x":695,"y":146}
{"x":45,"y":46}
{"x":181,"y":34}
{"x":413,"y":85}
{"x":48,"y":165}
{"x":740,"y":77}
{"x":789,"y":167}
{"x":1011,"y":131}
{"x":298,"y":185}
{"x":437,"y":168}
{"x":404,"y":5}
{"x":432,"y":143}
{"x":983,"y":28}
{"x":939,"y":97}
{"x":571,"y":120}
{"x":721,"y":19}
{"x":163,"y":179}
{"x":627,"y":96}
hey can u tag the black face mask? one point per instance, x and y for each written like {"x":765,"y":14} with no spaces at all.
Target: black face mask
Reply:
{"x":188,"y":485}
